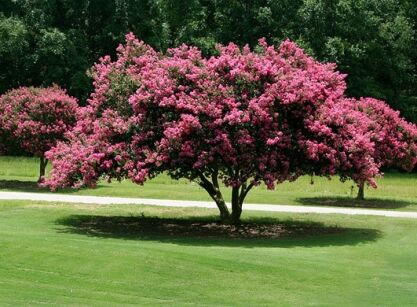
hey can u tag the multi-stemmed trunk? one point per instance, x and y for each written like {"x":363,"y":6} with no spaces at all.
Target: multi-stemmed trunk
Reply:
{"x":238,"y":196}
{"x":42,"y":168}
{"x":361,"y":190}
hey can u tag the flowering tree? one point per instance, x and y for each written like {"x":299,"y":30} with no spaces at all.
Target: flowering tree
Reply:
{"x":243,"y":117}
{"x":36,"y":118}
{"x":377,"y":136}
{"x":395,"y":139}
{"x":344,"y":140}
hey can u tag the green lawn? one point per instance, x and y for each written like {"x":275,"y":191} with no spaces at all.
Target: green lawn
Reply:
{"x":396,"y":191}
{"x":67,"y":254}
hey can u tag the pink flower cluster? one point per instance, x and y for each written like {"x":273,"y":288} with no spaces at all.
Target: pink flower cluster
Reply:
{"x":37,"y":118}
{"x":395,"y":139}
{"x":244,"y":116}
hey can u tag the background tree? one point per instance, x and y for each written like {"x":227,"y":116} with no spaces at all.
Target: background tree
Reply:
{"x":370,"y":40}
{"x":241,"y":118}
{"x":395,"y":139}
{"x":35,"y":119}
{"x":14,"y":47}
{"x":387,"y":140}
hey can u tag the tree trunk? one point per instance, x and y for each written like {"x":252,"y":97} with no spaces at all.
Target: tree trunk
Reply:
{"x":236,"y":206}
{"x":42,"y":168}
{"x":213,"y":190}
{"x":238,"y":196}
{"x":224,"y":211}
{"x":361,"y":190}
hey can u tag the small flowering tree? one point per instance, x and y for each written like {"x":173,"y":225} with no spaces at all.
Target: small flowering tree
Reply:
{"x":345,"y":146}
{"x":395,"y":139}
{"x":376,"y":137}
{"x":36,"y":119}
{"x":243,"y":117}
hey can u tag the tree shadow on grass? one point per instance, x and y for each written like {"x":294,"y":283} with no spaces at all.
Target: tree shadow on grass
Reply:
{"x":21,"y":186}
{"x":31,"y":186}
{"x":352,"y":202}
{"x":207,"y":231}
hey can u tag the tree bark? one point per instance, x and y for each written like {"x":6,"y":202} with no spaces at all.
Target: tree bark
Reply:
{"x":224,"y":211}
{"x":42,"y":168}
{"x":221,"y":204}
{"x":236,"y":205}
{"x":361,"y":190}
{"x":213,"y":190}
{"x":238,"y":196}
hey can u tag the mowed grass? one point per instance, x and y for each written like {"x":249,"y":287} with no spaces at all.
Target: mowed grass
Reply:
{"x":75,"y":255}
{"x":395,"y":191}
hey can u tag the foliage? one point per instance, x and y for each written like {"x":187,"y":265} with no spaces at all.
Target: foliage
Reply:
{"x":370,"y":40}
{"x":395,"y":139}
{"x":242,"y":117}
{"x":36,"y":118}
{"x":14,"y":46}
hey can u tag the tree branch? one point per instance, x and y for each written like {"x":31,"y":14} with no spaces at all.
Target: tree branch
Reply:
{"x":245,"y":191}
{"x":214,"y":192}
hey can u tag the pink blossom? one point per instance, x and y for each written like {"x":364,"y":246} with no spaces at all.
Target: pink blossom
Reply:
{"x":242,"y":117}
{"x":37,"y":118}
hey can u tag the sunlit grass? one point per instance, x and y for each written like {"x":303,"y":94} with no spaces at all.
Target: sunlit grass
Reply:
{"x":395,"y":191}
{"x":69,"y":254}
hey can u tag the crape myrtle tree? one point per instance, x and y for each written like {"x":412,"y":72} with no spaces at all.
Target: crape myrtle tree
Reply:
{"x":241,"y":118}
{"x":386,"y":140}
{"x":35,"y":119}
{"x":395,"y":139}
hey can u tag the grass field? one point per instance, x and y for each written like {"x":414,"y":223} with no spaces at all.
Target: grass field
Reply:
{"x":396,"y":191}
{"x":74,"y":255}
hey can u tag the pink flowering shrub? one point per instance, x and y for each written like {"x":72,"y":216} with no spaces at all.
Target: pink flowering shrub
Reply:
{"x":36,"y":119}
{"x":242,"y":117}
{"x":343,"y":142}
{"x":371,"y":136}
{"x":395,"y":139}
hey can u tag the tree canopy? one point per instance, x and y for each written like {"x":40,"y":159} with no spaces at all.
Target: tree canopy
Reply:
{"x":241,"y":117}
{"x":35,"y":119}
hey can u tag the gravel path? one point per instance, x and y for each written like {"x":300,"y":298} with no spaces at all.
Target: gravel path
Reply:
{"x":201,"y":204}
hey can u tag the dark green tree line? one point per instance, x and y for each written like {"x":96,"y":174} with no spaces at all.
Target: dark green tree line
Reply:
{"x":56,"y":41}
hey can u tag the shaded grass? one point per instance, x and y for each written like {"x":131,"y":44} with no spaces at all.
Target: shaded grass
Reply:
{"x":390,"y":203}
{"x":21,"y":186}
{"x":395,"y":191}
{"x":72,"y":254}
{"x":208,"y":231}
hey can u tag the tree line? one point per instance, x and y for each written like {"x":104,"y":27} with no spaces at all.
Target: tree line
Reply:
{"x":43,"y":42}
